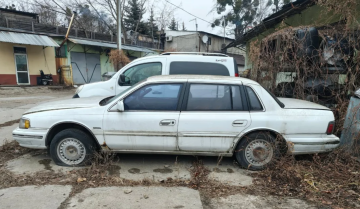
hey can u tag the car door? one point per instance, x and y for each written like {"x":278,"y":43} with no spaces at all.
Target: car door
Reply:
{"x":212,"y":117}
{"x":149,"y":122}
{"x":140,"y":71}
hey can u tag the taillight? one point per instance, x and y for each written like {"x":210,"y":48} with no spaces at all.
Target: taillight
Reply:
{"x":330,"y":128}
{"x":236,"y":74}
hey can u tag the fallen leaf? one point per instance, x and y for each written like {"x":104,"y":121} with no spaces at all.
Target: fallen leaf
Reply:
{"x":311,"y":183}
{"x":81,"y":179}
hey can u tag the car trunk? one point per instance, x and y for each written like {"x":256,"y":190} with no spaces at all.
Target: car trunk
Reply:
{"x":301,"y":104}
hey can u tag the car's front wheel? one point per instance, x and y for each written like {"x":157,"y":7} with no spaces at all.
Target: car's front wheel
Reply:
{"x":256,"y":151}
{"x":72,"y":147}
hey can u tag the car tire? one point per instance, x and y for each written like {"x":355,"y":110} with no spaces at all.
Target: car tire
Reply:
{"x":256,"y":151}
{"x":44,"y":83}
{"x":72,"y":147}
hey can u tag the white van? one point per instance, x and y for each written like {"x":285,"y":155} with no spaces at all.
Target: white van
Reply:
{"x":173,"y":63}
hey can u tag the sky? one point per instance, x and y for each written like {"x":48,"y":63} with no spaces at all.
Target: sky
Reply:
{"x":200,"y":8}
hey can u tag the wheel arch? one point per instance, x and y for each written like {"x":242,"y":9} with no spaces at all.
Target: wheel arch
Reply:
{"x":273,"y":133}
{"x":66,"y":125}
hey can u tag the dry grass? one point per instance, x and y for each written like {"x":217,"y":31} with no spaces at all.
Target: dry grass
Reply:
{"x":118,"y":58}
{"x":327,"y":179}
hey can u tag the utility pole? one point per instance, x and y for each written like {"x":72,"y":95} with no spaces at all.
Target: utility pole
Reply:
{"x":224,"y":28}
{"x":195,"y":23}
{"x":119,"y":24}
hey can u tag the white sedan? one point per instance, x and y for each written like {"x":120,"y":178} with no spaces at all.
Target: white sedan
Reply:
{"x":183,"y":114}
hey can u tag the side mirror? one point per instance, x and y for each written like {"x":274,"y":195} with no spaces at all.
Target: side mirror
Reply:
{"x":122,"y":79}
{"x":120,"y":106}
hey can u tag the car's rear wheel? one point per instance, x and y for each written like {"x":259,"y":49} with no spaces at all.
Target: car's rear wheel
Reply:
{"x":256,"y":151}
{"x":72,"y":147}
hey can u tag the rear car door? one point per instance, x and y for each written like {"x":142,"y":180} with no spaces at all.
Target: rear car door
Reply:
{"x":212,"y":117}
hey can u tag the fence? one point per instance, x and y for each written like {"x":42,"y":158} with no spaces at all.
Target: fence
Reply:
{"x":78,"y":33}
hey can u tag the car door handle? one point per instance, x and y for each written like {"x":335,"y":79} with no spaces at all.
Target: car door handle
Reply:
{"x":167,"y":123}
{"x":239,"y":123}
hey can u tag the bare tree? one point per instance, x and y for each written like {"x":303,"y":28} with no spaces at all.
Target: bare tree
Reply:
{"x":163,"y":14}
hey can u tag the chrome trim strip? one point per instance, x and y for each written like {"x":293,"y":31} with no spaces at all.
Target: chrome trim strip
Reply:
{"x":28,"y":136}
{"x":317,"y":143}
{"x":124,"y":133}
{"x":172,"y":152}
{"x":207,"y":135}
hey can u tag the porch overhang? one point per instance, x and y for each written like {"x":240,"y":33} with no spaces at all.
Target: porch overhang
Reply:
{"x":27,"y":39}
{"x":109,"y":45}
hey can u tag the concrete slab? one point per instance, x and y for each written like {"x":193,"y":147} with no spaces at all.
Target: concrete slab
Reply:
{"x":227,"y":171}
{"x":47,"y":197}
{"x":12,"y":108}
{"x":137,"y":197}
{"x":6,"y":133}
{"x":153,"y":167}
{"x":30,"y":164}
{"x":242,"y":201}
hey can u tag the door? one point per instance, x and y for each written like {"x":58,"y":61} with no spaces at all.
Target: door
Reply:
{"x":149,"y":122}
{"x":213,"y":117}
{"x":85,"y":67}
{"x":21,"y":64}
{"x":140,"y":71}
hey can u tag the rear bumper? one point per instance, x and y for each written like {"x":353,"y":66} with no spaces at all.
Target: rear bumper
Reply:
{"x":30,"y":138}
{"x":302,"y":145}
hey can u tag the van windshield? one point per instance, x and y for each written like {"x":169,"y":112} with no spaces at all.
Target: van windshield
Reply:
{"x":108,"y":100}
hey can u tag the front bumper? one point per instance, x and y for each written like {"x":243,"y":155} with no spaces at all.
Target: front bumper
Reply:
{"x":326,"y":143}
{"x":30,"y":138}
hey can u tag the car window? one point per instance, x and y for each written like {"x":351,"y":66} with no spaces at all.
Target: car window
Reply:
{"x":212,"y":97}
{"x":154,"y":97}
{"x":254,"y":100}
{"x":140,"y":72}
{"x":236,"y":98}
{"x":198,"y":68}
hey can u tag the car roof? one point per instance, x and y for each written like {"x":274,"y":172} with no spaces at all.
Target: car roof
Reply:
{"x":184,"y":56}
{"x":190,"y":78}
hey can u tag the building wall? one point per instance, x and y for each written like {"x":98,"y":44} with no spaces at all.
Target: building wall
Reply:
{"x":38,"y":59}
{"x":105,"y":63}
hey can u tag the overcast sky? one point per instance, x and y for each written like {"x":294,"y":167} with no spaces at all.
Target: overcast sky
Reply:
{"x":200,"y":8}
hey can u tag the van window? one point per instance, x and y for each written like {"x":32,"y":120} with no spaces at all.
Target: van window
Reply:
{"x":198,"y":68}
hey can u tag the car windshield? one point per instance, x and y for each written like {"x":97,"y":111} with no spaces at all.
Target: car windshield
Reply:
{"x":108,"y":100}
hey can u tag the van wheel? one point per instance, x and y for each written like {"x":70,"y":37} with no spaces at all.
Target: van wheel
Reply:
{"x":72,"y":147}
{"x":44,"y":83}
{"x":256,"y":151}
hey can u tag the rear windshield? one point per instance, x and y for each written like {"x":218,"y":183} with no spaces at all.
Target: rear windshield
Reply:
{"x":275,"y":98}
{"x":198,"y":68}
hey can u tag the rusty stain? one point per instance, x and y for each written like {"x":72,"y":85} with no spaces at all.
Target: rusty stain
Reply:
{"x":134,"y":170}
{"x":163,"y":170}
{"x":46,"y":163}
{"x":114,"y":170}
{"x":218,"y":170}
{"x":66,"y":71}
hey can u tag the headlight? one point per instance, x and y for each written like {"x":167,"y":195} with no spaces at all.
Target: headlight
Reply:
{"x":24,"y":123}
{"x":79,"y":89}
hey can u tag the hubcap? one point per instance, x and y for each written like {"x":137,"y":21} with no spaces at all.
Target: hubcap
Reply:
{"x":259,"y":152}
{"x":71,"y":151}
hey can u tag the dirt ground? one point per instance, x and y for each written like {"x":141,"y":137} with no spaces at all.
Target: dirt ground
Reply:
{"x":155,"y":181}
